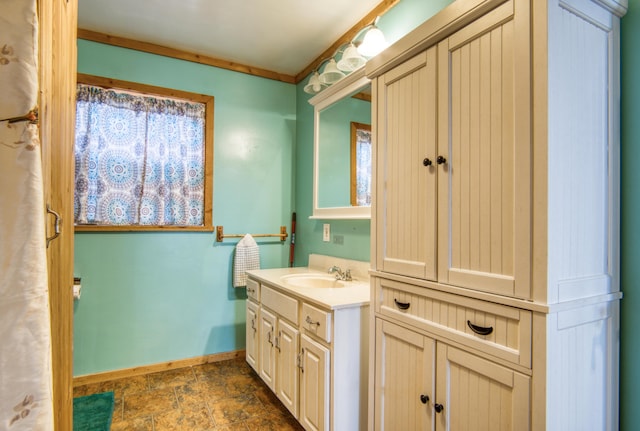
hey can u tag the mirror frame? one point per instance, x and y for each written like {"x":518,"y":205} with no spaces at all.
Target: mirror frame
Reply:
{"x":341,"y":89}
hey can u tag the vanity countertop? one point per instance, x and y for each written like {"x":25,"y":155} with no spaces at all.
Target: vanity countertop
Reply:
{"x":353,"y":294}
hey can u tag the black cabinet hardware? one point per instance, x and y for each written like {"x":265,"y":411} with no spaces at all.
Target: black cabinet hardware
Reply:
{"x":481,"y":330}
{"x":402,"y":305}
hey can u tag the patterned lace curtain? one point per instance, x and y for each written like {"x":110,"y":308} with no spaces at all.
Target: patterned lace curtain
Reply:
{"x":139,"y":159}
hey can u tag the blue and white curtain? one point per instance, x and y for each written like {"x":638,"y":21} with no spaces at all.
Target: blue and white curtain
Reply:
{"x":25,"y":332}
{"x":139,"y":159}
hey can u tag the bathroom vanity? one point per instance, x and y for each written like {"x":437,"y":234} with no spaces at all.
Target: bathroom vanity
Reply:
{"x":307,"y":338}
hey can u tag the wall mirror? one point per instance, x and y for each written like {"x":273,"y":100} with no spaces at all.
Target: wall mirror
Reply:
{"x":342,"y":149}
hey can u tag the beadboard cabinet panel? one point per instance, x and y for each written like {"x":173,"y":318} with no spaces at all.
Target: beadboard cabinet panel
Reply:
{"x":405,"y":372}
{"x":406,"y":168}
{"x":483,"y":123}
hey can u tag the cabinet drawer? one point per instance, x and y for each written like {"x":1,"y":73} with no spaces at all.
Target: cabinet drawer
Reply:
{"x":499,"y":330}
{"x":283,"y":305}
{"x":253,"y":290}
{"x":316,"y":321}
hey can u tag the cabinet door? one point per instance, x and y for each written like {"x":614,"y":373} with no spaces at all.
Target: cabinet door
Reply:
{"x":267,"y":360}
{"x":253,"y":335}
{"x":287,"y":366}
{"x":484,"y":133}
{"x":404,"y":379}
{"x":406,"y":168}
{"x":479,"y":395}
{"x":314,"y":385}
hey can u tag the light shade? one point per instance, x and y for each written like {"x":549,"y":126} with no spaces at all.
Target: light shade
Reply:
{"x":331,"y":73}
{"x":314,"y":85}
{"x":373,"y":43}
{"x":351,"y":60}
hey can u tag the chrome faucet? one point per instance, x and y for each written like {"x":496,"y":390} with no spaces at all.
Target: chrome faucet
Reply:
{"x":346,"y":276}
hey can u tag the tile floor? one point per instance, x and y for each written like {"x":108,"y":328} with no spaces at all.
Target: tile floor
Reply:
{"x":221,"y":396}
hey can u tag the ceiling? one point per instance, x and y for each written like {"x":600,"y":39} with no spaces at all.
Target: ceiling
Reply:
{"x":283,"y":36}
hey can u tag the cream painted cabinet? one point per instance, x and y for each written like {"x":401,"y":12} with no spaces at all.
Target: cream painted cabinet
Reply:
{"x":494,"y":221}
{"x":252,"y":329}
{"x":406,"y":171}
{"x":314,"y":385}
{"x":287,"y":376}
{"x":452,"y":135}
{"x":443,"y":388}
{"x":405,"y":379}
{"x":424,"y":382}
{"x":484,"y":186}
{"x":252,"y":335}
{"x":279,"y":340}
{"x":267,"y":348}
{"x":476,"y":394}
{"x":313,"y":357}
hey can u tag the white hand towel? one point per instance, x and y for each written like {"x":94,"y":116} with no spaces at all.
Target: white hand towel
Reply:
{"x":247,"y":257}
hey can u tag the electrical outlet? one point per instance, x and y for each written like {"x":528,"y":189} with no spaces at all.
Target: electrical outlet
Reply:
{"x":326,"y":232}
{"x":338,"y":239}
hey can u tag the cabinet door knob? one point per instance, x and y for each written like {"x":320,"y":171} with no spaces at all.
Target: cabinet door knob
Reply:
{"x":402,"y":305}
{"x":427,"y":162}
{"x":438,"y":407}
{"x":424,"y":399}
{"x":480,"y":330}
{"x":440,"y":160}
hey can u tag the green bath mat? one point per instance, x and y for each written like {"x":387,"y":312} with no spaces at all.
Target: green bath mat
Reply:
{"x":93,"y":412}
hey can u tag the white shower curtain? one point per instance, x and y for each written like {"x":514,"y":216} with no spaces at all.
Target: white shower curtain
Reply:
{"x":25,"y":337}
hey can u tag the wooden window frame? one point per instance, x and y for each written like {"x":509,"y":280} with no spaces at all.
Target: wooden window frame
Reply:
{"x":208,"y":101}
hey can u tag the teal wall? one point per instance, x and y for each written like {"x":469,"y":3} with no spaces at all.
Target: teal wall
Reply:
{"x":630,"y":225}
{"x":151,"y":297}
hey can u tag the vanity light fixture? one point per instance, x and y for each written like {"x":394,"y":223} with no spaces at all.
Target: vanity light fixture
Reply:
{"x":373,"y":43}
{"x":331,"y":73}
{"x":353,"y":57}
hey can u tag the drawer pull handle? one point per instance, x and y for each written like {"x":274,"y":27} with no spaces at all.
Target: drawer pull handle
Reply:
{"x":480,"y":329}
{"x":438,"y":407}
{"x":424,"y":399}
{"x":402,"y":305}
{"x":311,"y":322}
{"x":300,"y":360}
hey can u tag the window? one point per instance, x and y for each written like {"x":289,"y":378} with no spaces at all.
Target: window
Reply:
{"x":144,"y":157}
{"x":361,"y":164}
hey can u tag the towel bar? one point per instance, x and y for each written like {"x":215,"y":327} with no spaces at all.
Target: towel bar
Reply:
{"x":220,"y":235}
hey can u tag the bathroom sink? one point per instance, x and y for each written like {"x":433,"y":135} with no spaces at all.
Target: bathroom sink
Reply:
{"x":312,"y":280}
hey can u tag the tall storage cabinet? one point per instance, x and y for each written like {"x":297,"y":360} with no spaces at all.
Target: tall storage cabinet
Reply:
{"x":495,"y":284}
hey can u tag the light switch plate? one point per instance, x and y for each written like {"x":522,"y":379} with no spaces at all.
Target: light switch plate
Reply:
{"x":326,"y":232}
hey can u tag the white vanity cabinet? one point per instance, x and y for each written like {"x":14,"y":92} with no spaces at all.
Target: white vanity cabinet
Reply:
{"x":279,"y":341}
{"x":253,"y":325}
{"x":311,"y":347}
{"x":495,"y":279}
